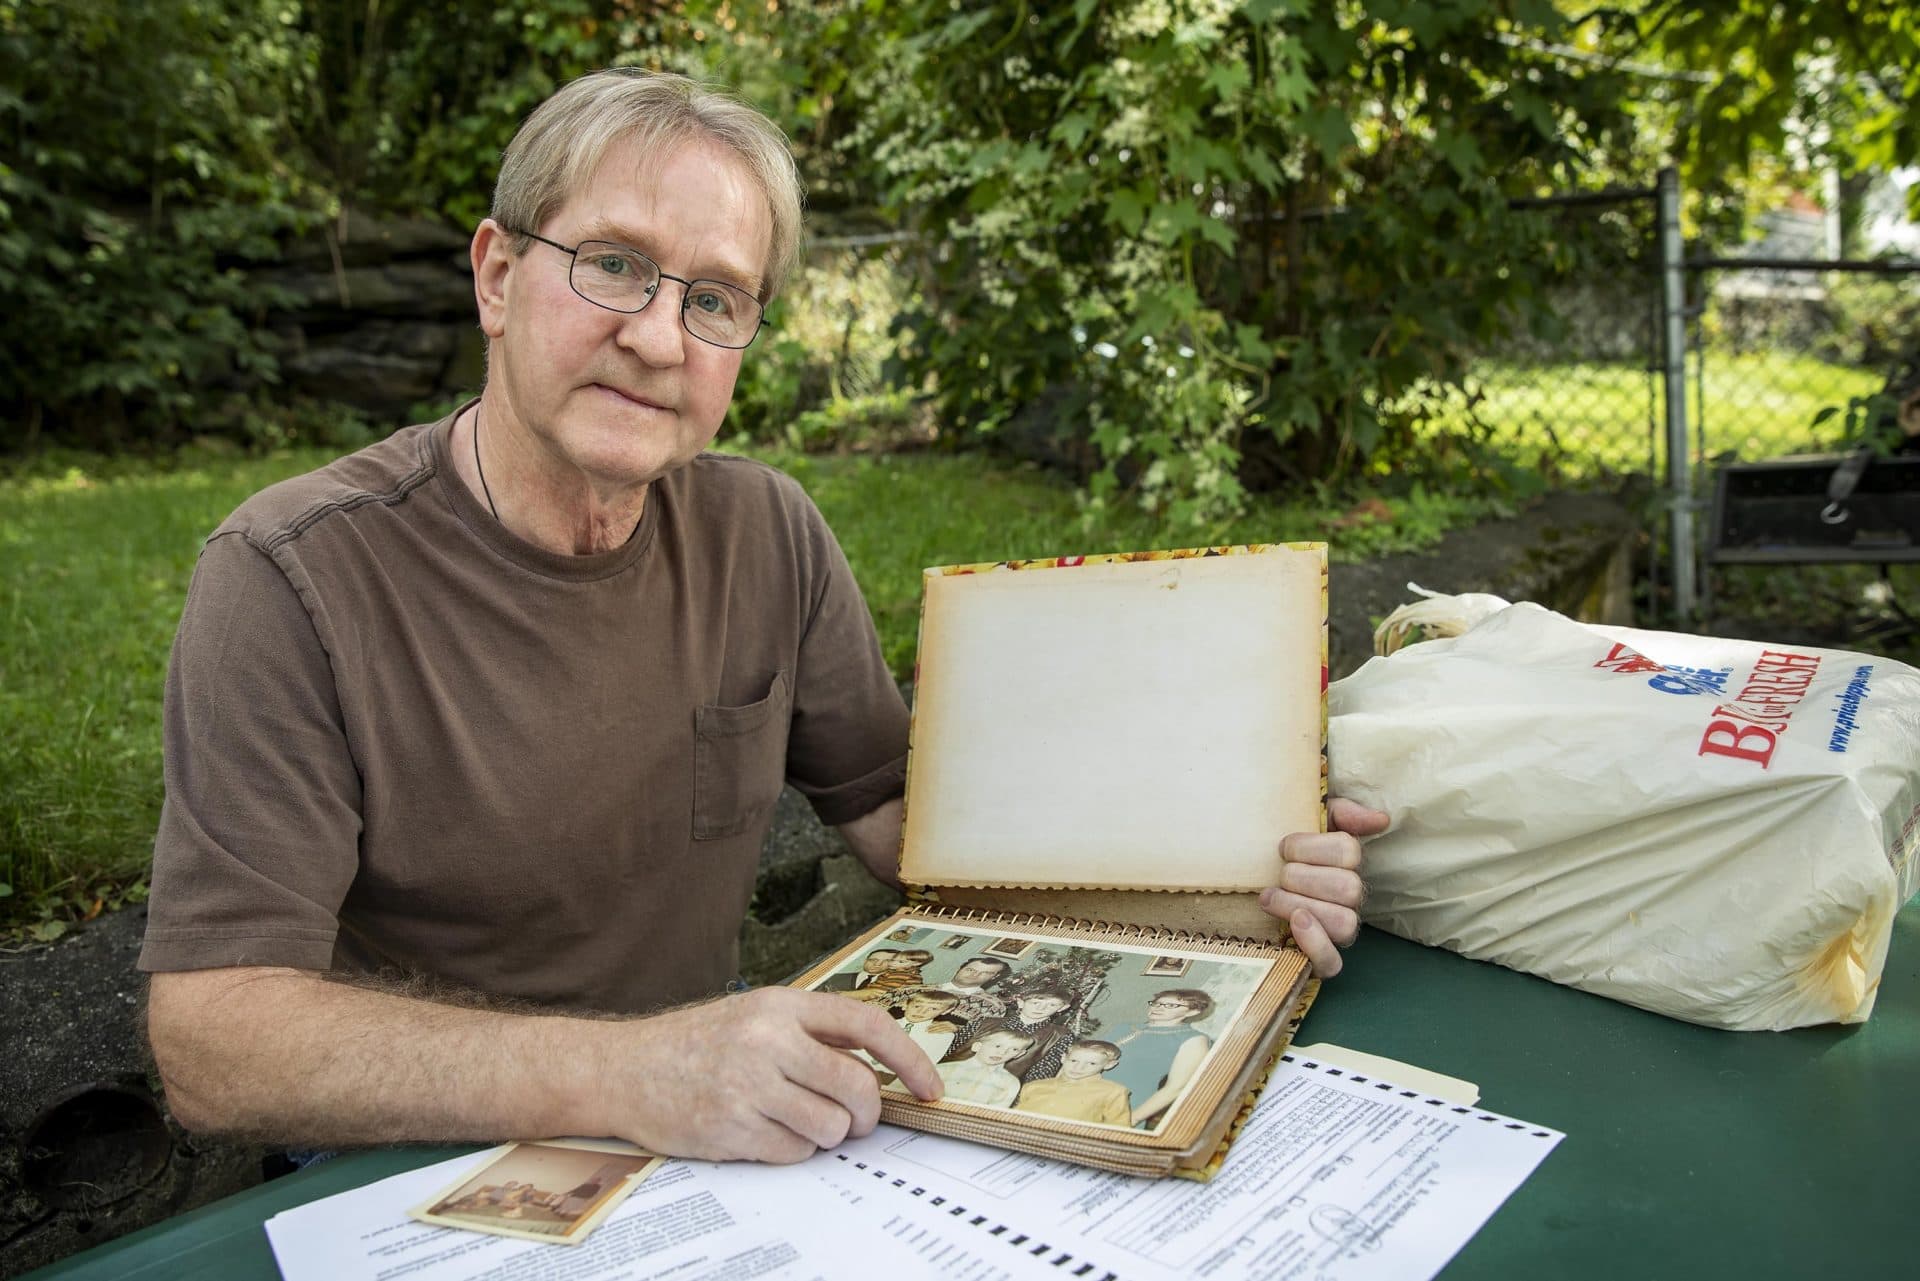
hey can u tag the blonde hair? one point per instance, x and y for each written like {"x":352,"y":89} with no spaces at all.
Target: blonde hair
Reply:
{"x":559,"y":146}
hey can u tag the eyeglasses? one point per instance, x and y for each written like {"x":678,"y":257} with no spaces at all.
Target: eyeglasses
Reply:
{"x":621,"y":279}
{"x":1178,"y":1005}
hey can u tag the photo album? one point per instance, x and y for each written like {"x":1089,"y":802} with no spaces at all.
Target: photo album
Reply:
{"x":1106,"y":751}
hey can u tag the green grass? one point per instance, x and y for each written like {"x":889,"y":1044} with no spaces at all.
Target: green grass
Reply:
{"x":1593,"y":418}
{"x":99,"y":551}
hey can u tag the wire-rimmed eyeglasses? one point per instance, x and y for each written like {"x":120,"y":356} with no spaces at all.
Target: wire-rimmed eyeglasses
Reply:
{"x":620,"y":278}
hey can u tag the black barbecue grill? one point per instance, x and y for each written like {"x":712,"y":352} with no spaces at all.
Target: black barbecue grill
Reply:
{"x":1817,"y":508}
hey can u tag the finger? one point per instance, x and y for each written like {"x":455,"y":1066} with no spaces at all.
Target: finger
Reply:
{"x":1328,"y":849}
{"x":1313,"y":940}
{"x":1328,"y":884}
{"x":1340,"y":924}
{"x":1356,"y":819}
{"x":868,"y":1029}
{"x":839,"y":1079}
{"x":809,"y":1115}
{"x":774,"y":1142}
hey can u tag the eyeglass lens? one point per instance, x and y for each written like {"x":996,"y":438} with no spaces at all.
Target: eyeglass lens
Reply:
{"x":624,"y":279}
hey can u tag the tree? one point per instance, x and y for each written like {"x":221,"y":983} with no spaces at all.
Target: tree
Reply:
{"x":1224,"y":243}
{"x":120,"y":199}
{"x":1834,"y":84}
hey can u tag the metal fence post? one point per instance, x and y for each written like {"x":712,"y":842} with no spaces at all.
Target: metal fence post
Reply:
{"x":1673,"y":302}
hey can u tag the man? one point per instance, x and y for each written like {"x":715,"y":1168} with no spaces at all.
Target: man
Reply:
{"x":902,"y":972}
{"x":484,"y":724}
{"x":970,"y":983}
{"x":872,"y":966}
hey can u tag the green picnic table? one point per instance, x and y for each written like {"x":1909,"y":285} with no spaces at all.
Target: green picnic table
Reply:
{"x":1689,"y":1152}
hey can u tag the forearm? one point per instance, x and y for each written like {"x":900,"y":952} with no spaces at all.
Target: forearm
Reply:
{"x":875,"y":838}
{"x":289,"y":1056}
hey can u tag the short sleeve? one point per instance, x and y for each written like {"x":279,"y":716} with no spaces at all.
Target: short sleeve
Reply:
{"x":259,"y":832}
{"x":847,"y":746}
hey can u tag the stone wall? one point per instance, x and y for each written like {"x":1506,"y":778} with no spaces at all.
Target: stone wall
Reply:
{"x":378,"y":315}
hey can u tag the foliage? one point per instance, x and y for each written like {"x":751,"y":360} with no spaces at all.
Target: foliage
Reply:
{"x":123,"y":198}
{"x":1833,"y":84}
{"x":812,"y":379}
{"x":1876,"y":321}
{"x":407,"y":104}
{"x":1228,"y":232}
{"x":156,"y":147}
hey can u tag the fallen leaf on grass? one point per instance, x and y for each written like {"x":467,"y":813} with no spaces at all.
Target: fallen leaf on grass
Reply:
{"x":1373,"y":511}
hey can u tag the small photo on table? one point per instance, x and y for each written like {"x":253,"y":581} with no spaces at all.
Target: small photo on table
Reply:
{"x":557,"y":1191}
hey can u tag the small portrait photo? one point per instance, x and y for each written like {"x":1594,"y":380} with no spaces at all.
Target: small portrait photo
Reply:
{"x":956,"y":941}
{"x":1012,"y":948}
{"x":904,"y":934}
{"x":557,"y":1191}
{"x":1168,"y":967}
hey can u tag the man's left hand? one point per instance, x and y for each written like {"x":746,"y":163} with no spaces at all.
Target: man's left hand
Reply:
{"x":1320,"y":889}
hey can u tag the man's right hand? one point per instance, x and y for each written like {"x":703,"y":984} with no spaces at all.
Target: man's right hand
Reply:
{"x":763,"y":1076}
{"x":289,"y":1056}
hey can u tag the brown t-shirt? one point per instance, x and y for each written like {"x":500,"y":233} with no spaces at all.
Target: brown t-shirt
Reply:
{"x":398,"y":737}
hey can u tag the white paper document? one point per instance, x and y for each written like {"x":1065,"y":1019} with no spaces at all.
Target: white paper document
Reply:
{"x":692,"y":1221}
{"x":1337,"y":1176}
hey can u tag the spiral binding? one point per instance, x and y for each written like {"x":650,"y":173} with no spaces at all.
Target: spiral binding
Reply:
{"x":1042,"y":920}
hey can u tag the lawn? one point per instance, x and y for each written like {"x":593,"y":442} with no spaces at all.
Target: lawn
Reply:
{"x":99,"y":551}
{"x":1586,"y":419}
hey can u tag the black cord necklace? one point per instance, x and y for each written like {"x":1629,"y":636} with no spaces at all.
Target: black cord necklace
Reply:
{"x":482,"y":473}
{"x":481,"y":470}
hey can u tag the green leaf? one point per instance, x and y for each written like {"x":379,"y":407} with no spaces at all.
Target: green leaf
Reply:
{"x":1261,"y":12}
{"x":1074,"y":128}
{"x":1218,"y":234}
{"x":6,"y":890}
{"x":1330,"y":131}
{"x":47,"y":931}
{"x":1126,"y":210}
{"x":1228,"y":79}
{"x":1261,"y":166}
{"x":1462,"y":153}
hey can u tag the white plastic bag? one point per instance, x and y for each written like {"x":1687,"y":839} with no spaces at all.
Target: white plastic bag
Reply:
{"x":1718,"y":830}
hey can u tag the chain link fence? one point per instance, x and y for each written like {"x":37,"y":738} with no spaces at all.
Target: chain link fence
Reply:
{"x":1781,"y":355}
{"x":1578,"y":396}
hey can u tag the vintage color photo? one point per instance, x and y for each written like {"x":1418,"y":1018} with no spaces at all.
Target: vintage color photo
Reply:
{"x":558,"y":1191}
{"x":1051,"y":1029}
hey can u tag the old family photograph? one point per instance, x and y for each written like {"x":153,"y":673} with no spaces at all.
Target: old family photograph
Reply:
{"x":1103,"y":1035}
{"x":553,"y":1191}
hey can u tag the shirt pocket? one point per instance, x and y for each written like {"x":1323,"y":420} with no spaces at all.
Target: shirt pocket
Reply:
{"x":739,"y":761}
